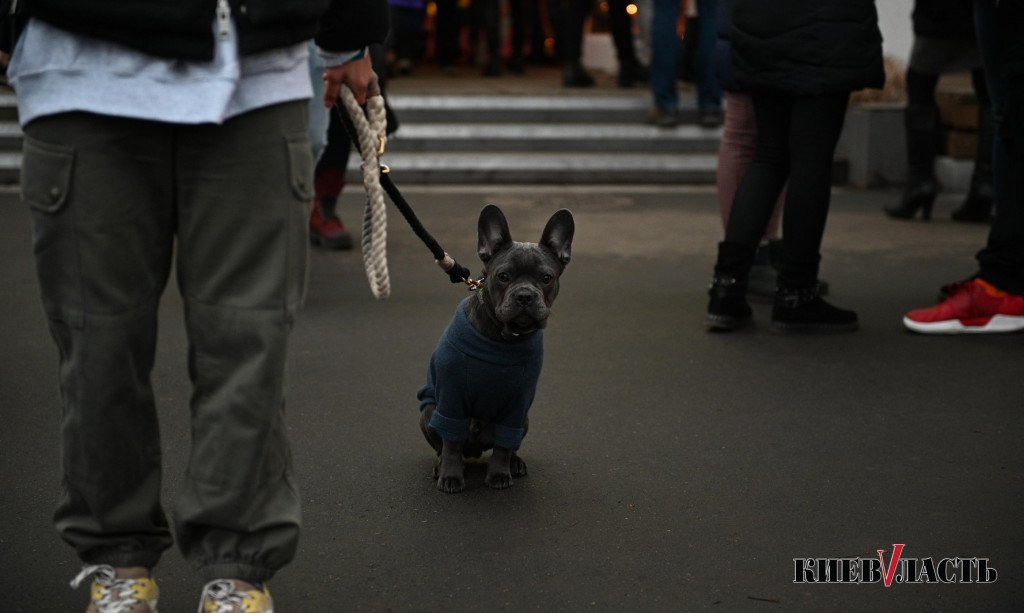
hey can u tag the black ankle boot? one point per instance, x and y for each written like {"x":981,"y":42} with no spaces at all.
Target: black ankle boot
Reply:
{"x":920,"y":195}
{"x":775,"y":258}
{"x":761,"y":281}
{"x":803,"y":310}
{"x":728,"y":308}
{"x":573,"y":75}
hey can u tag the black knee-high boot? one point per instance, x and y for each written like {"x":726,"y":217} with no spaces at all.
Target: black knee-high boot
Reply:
{"x":921,"y":121}
{"x":977,"y":207}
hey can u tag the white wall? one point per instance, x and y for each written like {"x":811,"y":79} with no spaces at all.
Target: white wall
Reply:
{"x":897,"y":30}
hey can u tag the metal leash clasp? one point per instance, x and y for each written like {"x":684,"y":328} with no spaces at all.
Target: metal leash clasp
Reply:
{"x":474,"y":284}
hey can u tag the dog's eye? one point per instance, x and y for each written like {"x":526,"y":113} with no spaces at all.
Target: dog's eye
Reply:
{"x":504,"y":277}
{"x":546,"y":279}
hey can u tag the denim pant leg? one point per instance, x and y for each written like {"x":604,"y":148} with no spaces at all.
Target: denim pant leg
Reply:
{"x":103,"y":236}
{"x":988,"y":46}
{"x":318,"y":113}
{"x":709,"y":91}
{"x":1001,"y":262}
{"x":244,"y":190}
{"x":665,"y":49}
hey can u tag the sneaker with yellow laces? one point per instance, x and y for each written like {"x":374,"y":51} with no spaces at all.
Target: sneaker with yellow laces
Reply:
{"x":234,"y":596}
{"x":113,"y":594}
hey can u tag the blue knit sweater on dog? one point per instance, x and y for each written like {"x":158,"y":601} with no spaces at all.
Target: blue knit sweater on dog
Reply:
{"x":474,"y":377}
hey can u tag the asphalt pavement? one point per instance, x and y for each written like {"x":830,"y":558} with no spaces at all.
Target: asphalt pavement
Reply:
{"x":671,"y":469}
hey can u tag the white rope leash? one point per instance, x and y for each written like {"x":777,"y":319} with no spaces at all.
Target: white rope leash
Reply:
{"x":371,"y":132}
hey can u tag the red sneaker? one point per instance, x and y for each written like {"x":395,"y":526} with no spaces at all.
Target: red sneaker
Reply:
{"x":328,"y":230}
{"x":974,"y":307}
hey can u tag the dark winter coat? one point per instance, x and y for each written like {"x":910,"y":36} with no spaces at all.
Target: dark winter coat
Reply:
{"x":183,"y":29}
{"x":807,"y":47}
{"x":1009,"y":26}
{"x":944,"y":19}
{"x":723,"y":45}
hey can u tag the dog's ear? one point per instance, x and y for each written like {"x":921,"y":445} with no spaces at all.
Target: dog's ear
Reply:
{"x":558,"y":233}
{"x":493,"y":234}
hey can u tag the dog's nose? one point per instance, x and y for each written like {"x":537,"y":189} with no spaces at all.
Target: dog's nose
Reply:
{"x":525,"y":298}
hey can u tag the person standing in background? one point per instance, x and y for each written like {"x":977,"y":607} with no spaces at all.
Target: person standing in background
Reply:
{"x":992,"y":299}
{"x":735,"y":154}
{"x":331,"y":143}
{"x":799,"y":59}
{"x":568,"y":20}
{"x":944,"y":41}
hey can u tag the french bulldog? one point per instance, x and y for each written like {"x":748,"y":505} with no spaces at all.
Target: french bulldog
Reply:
{"x":484,"y":371}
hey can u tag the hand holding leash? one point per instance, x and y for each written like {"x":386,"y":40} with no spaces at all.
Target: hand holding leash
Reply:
{"x":357,"y":75}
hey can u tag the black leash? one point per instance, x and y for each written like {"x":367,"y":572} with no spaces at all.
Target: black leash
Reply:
{"x":457,"y":273}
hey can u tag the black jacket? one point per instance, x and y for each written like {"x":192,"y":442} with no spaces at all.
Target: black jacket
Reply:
{"x":182,"y":29}
{"x":1009,"y":29}
{"x":723,"y":45}
{"x":946,"y":19}
{"x":807,"y":47}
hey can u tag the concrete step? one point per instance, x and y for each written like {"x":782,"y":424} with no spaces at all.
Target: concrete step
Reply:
{"x":10,"y":168}
{"x":543,"y":139}
{"x":8,"y":106}
{"x":540,"y":137}
{"x":510,"y":139}
{"x":546,"y":168}
{"x":417,"y":109}
{"x":10,"y":136}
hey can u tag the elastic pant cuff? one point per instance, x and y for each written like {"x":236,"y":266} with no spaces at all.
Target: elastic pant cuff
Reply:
{"x":123,"y":559}
{"x":235,"y":570}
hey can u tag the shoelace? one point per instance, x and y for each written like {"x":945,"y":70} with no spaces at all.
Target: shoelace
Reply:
{"x":222,"y":593}
{"x":116,"y":595}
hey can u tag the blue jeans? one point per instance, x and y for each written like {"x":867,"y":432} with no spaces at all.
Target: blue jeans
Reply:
{"x":318,"y":113}
{"x":665,"y":54}
{"x":709,"y":92}
{"x":1001,"y":262}
{"x":988,"y":45}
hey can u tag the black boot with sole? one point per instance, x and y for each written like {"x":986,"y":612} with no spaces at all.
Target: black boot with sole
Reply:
{"x":728,"y":308}
{"x":805,"y":311}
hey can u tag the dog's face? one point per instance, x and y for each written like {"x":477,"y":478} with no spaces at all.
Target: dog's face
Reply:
{"x":522,"y":278}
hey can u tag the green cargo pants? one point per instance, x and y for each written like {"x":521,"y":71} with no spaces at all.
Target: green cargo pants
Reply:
{"x":114,"y":202}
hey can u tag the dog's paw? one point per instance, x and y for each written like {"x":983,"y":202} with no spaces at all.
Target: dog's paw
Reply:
{"x":517,"y":466}
{"x":498,"y":481}
{"x":451,"y":485}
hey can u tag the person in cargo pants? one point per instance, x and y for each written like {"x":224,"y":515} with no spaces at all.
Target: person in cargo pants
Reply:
{"x":157,"y":134}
